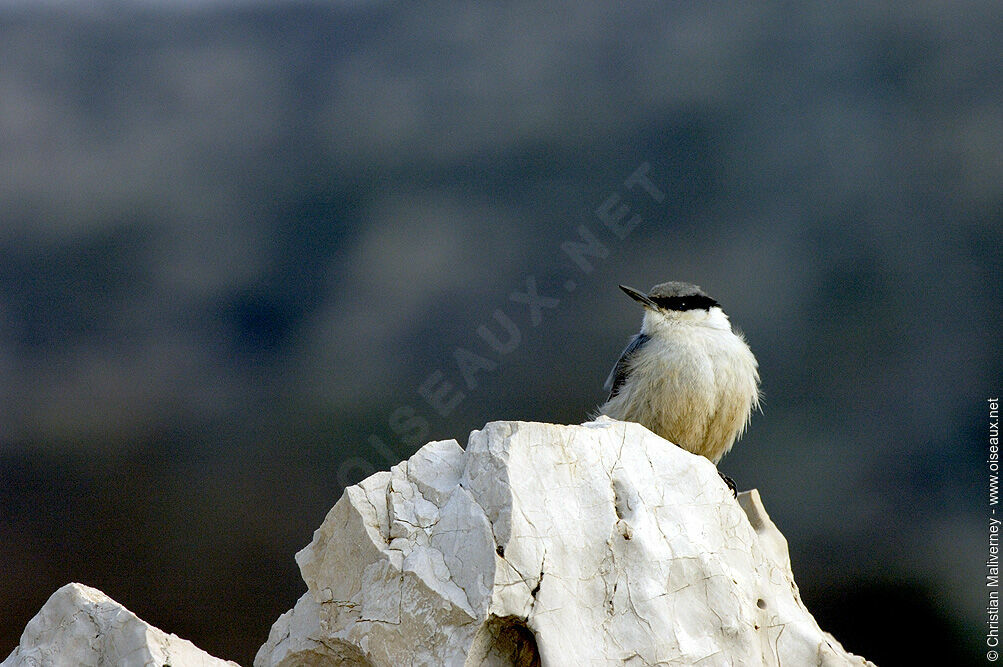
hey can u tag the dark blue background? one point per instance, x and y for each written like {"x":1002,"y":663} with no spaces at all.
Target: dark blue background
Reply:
{"x":235,"y":241}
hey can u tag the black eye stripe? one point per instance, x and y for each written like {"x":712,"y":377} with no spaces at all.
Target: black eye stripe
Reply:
{"x":691,"y":302}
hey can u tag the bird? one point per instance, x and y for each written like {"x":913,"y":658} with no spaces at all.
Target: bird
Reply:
{"x":687,"y":376}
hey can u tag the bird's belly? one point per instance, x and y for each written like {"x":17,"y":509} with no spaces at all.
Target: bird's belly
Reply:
{"x":697,"y":399}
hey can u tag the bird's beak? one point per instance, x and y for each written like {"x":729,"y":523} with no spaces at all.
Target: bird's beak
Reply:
{"x":640,"y":297}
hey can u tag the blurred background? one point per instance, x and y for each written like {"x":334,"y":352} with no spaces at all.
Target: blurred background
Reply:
{"x":237,"y":238}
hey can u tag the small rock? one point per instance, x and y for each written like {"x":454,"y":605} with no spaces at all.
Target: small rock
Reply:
{"x":82,"y":626}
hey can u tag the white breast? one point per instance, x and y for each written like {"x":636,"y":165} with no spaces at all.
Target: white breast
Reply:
{"x":694,"y":383}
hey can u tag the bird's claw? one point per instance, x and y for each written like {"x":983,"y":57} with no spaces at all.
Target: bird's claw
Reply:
{"x":730,"y":482}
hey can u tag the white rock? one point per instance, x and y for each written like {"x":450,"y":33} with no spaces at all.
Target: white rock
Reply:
{"x":566,"y":545}
{"x":80,"y":625}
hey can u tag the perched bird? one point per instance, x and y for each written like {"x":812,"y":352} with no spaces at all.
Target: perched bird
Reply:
{"x":686,"y":376}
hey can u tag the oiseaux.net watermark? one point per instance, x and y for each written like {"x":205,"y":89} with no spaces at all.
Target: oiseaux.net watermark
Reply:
{"x":993,"y":560}
{"x":444,"y":389}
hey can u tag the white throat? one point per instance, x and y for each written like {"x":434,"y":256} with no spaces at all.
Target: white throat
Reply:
{"x":660,"y":320}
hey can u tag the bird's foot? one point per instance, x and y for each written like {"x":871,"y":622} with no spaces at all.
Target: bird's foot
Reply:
{"x":730,"y":482}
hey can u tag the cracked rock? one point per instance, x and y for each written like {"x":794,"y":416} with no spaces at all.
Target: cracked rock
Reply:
{"x":80,"y":625}
{"x":544,"y":544}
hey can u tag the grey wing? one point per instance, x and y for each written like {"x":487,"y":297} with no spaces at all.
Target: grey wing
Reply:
{"x":619,"y":373}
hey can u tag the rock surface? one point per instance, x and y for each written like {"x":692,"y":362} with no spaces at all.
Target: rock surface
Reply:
{"x":82,"y":626}
{"x":561,"y":545}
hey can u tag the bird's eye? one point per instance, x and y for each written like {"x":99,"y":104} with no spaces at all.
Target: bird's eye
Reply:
{"x":684,"y":302}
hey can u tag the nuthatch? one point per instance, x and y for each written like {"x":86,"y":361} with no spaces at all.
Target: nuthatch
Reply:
{"x":686,"y":376}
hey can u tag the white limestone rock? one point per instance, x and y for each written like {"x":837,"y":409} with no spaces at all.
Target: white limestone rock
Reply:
{"x":554,"y":545}
{"x":82,"y":626}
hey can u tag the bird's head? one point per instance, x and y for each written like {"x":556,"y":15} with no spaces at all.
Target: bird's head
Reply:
{"x":677,"y":302}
